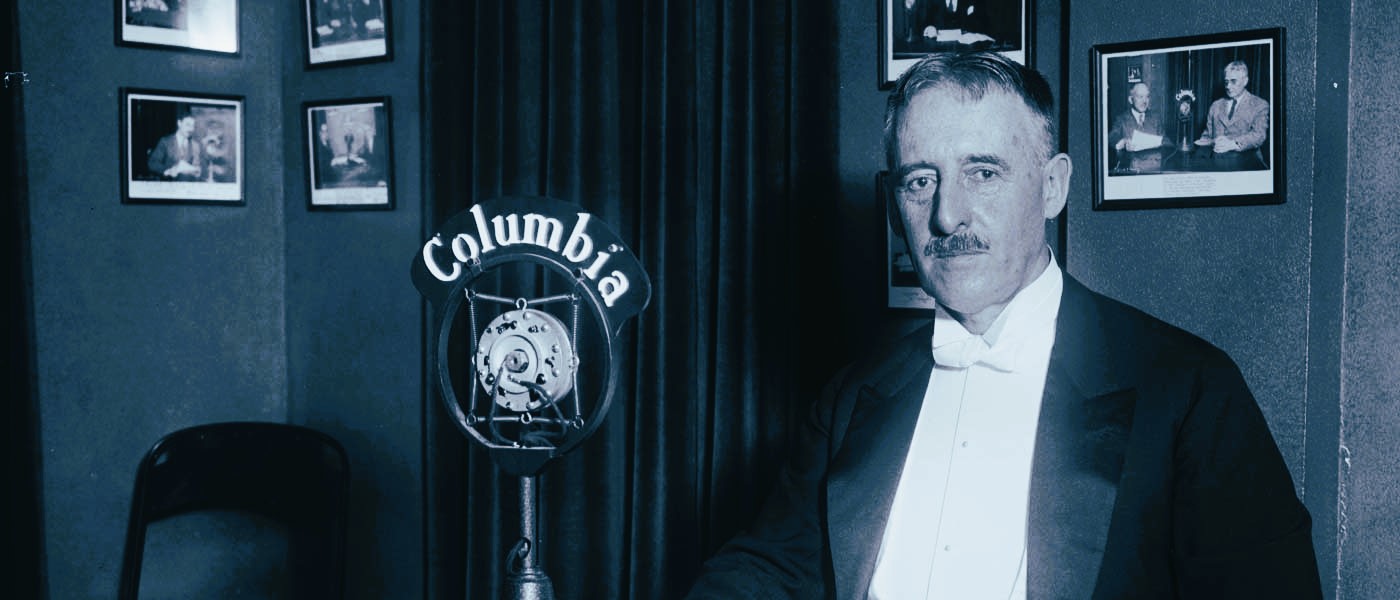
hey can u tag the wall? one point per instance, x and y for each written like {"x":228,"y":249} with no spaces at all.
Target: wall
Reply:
{"x":151,"y":318}
{"x":354,"y":340}
{"x":1205,"y":268}
{"x":19,"y":428}
{"x":1370,"y":392}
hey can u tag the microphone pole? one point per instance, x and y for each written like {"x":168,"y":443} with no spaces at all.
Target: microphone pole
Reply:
{"x":528,"y":581}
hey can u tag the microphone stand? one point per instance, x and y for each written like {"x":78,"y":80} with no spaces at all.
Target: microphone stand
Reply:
{"x":539,"y":355}
{"x":528,"y":581}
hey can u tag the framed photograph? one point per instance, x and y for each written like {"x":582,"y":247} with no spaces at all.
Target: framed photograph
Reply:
{"x":912,"y":29}
{"x":349,"y":158}
{"x":345,"y":31}
{"x":901,"y":278}
{"x":181,"y":147}
{"x":204,"y":25}
{"x":1192,"y":121}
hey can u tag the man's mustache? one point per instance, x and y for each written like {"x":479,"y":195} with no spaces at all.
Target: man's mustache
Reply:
{"x":956,"y":245}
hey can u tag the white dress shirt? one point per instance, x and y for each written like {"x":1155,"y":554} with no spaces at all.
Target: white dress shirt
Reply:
{"x":957,"y":528}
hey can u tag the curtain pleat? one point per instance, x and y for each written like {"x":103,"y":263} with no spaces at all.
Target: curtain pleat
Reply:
{"x":675,"y":123}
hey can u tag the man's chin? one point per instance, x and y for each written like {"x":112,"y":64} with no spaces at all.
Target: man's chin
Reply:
{"x":955,"y":305}
{"x":954,"y":296}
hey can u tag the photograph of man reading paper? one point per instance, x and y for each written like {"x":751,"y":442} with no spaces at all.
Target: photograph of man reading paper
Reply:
{"x":1188,"y":111}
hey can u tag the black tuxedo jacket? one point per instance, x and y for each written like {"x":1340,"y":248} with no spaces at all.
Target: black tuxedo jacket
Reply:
{"x":1154,"y":475}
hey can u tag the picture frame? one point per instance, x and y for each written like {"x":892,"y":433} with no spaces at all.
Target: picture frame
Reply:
{"x":342,"y":32}
{"x":181,"y":148}
{"x":349,"y":154}
{"x":196,"y":25}
{"x":912,"y":29}
{"x":1188,"y":148}
{"x":902,"y":289}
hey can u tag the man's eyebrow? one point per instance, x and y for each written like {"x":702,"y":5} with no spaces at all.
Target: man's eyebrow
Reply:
{"x":908,"y":168}
{"x":986,"y":159}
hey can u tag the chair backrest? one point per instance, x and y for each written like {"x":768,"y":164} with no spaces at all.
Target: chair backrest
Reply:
{"x":286,"y":475}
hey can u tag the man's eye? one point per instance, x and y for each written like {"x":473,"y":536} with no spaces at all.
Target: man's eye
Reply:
{"x":919,"y":183}
{"x":983,"y":174}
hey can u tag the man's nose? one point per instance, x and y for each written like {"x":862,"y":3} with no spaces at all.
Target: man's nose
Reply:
{"x":949,"y":210}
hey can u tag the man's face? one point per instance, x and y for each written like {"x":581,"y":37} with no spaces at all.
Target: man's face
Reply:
{"x":1141,"y":98}
{"x":971,"y":186}
{"x":185,"y":126}
{"x":1235,"y":80}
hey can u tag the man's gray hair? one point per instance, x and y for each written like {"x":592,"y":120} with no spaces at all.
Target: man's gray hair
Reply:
{"x":975,"y":73}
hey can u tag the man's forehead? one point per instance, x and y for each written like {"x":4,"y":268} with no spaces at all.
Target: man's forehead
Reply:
{"x":959,"y":109}
{"x":944,"y":148}
{"x":961,"y":104}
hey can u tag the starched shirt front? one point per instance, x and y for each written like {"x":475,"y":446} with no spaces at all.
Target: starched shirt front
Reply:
{"x":957,"y":527}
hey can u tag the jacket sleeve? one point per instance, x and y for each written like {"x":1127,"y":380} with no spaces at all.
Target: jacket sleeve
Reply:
{"x":1258,"y":129}
{"x":159,"y":159}
{"x":783,"y":554}
{"x":1117,"y":131}
{"x":1239,"y":529}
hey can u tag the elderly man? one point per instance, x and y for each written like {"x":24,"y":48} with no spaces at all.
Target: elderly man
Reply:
{"x":1138,"y":117}
{"x":1035,"y":439}
{"x":1239,"y":121}
{"x":1136,"y":130}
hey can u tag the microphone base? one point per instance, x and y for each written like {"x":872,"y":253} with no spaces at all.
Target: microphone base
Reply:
{"x":530,"y":586}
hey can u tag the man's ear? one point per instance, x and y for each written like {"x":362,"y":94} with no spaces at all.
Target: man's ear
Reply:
{"x":1055,"y":185}
{"x":884,"y":185}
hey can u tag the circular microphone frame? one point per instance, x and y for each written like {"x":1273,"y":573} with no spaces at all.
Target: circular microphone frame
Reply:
{"x":513,"y":458}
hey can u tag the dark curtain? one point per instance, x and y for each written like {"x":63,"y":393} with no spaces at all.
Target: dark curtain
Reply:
{"x":703,"y":133}
{"x":19,"y":446}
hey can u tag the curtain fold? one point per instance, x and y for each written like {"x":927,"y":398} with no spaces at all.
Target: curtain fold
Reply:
{"x":678,"y":124}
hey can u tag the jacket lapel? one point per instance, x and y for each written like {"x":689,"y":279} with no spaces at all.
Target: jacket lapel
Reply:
{"x":1085,"y":422}
{"x":865,"y":473}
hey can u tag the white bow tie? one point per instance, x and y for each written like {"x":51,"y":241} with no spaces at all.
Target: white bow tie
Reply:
{"x":961,"y":354}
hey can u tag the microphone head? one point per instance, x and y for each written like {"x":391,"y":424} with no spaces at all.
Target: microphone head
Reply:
{"x":521,"y":382}
{"x":525,"y":360}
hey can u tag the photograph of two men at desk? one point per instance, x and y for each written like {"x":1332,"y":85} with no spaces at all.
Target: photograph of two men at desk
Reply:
{"x":1200,"y":110}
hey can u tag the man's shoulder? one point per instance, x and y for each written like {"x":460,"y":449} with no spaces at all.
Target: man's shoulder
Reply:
{"x":888,"y":364}
{"x":1137,"y":340}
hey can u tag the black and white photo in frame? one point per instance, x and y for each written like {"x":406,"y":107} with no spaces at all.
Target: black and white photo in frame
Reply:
{"x":349,"y":154}
{"x":181,"y":147}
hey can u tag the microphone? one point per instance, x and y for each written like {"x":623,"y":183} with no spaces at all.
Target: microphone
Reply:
{"x":517,"y":273}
